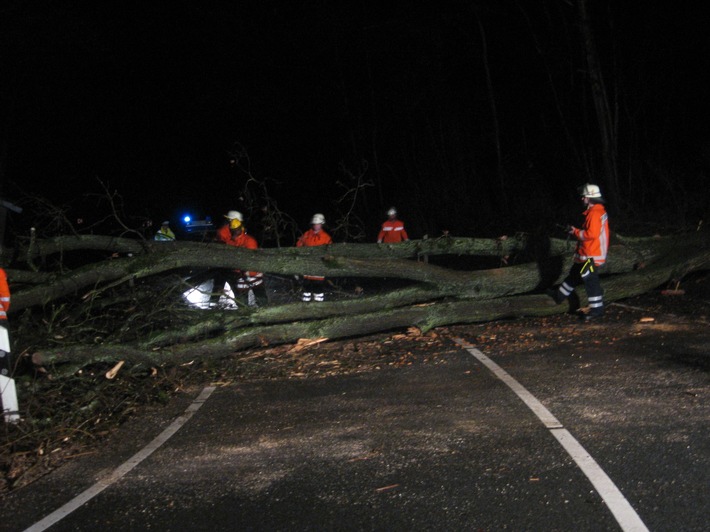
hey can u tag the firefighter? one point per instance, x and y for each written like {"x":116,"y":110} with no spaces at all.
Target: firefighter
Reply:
{"x":248,"y":285}
{"x":8,"y":392}
{"x":164,"y":234}
{"x":5,"y":363}
{"x":392,"y":231}
{"x":4,"y":297}
{"x":590,"y":254}
{"x":234,"y":221}
{"x":313,"y":284}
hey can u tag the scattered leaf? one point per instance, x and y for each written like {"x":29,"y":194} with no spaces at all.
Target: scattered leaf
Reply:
{"x":304,"y":343}
{"x":414,"y":331}
{"x":111,"y":374}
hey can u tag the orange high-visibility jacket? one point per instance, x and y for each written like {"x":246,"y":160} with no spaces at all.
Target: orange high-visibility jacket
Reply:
{"x":224,"y":234}
{"x":392,"y":232}
{"x":242,"y":240}
{"x":4,"y":295}
{"x":311,"y":238}
{"x":594,"y":236}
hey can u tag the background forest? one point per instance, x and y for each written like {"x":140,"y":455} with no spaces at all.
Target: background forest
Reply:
{"x":477,"y":117}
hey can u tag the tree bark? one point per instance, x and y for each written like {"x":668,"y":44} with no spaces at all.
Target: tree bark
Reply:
{"x":433,"y":297}
{"x":445,"y":245}
{"x":414,"y":306}
{"x":338,"y":260}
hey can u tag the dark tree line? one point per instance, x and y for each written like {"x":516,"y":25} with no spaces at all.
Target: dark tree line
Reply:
{"x":472,"y":117}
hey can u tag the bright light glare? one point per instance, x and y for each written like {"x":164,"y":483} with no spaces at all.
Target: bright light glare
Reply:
{"x":200,"y":296}
{"x":187,"y":219}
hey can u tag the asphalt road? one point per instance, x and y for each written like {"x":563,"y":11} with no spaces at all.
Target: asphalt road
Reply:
{"x":436,"y":446}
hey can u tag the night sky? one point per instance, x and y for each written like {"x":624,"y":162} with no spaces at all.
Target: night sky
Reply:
{"x":150,"y":97}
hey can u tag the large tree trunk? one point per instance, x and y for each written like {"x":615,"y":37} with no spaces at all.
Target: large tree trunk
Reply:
{"x":446,"y":245}
{"x":434,"y":295}
{"x":337,"y":320}
{"x":339,"y":260}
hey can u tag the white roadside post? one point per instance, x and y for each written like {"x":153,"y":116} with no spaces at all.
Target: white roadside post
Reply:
{"x":10,"y":407}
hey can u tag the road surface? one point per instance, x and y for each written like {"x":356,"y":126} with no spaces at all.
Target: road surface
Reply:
{"x":442,"y":445}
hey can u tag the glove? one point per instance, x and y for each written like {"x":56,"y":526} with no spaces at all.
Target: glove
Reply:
{"x":571,"y":229}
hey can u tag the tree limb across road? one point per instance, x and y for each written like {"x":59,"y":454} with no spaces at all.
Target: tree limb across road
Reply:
{"x":429,"y":295}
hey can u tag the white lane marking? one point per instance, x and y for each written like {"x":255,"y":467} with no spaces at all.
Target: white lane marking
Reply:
{"x":623,"y":512}
{"x":124,"y":468}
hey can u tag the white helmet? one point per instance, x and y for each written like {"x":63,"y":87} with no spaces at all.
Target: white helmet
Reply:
{"x":392,"y":211}
{"x":590,"y":191}
{"x":234,"y":215}
{"x":318,"y":218}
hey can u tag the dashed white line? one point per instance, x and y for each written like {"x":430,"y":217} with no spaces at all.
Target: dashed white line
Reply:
{"x":124,"y":468}
{"x":623,"y":512}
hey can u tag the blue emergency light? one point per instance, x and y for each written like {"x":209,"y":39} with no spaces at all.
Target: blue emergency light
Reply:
{"x":198,"y":226}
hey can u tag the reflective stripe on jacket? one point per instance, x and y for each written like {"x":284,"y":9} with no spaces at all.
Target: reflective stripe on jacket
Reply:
{"x":251,"y":280}
{"x":392,"y":232}
{"x":594,"y":236}
{"x":164,"y":235}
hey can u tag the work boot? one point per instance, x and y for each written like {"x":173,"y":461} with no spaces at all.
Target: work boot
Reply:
{"x":555,"y":294}
{"x":593,"y":315}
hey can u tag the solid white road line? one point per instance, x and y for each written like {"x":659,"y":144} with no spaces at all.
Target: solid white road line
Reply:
{"x":623,"y":512}
{"x":124,"y":468}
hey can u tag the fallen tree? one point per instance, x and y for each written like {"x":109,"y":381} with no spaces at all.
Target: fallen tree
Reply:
{"x":146,"y":259}
{"x":429,"y":296}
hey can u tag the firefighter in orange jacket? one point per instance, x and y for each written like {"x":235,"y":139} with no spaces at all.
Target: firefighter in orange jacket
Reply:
{"x":4,"y":297}
{"x":5,"y":362}
{"x":392,"y":231}
{"x":590,"y":254}
{"x":313,"y":284}
{"x":249,"y":285}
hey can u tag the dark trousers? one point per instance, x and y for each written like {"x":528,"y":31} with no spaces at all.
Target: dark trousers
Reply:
{"x":587,"y":273}
{"x":313,"y":290}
